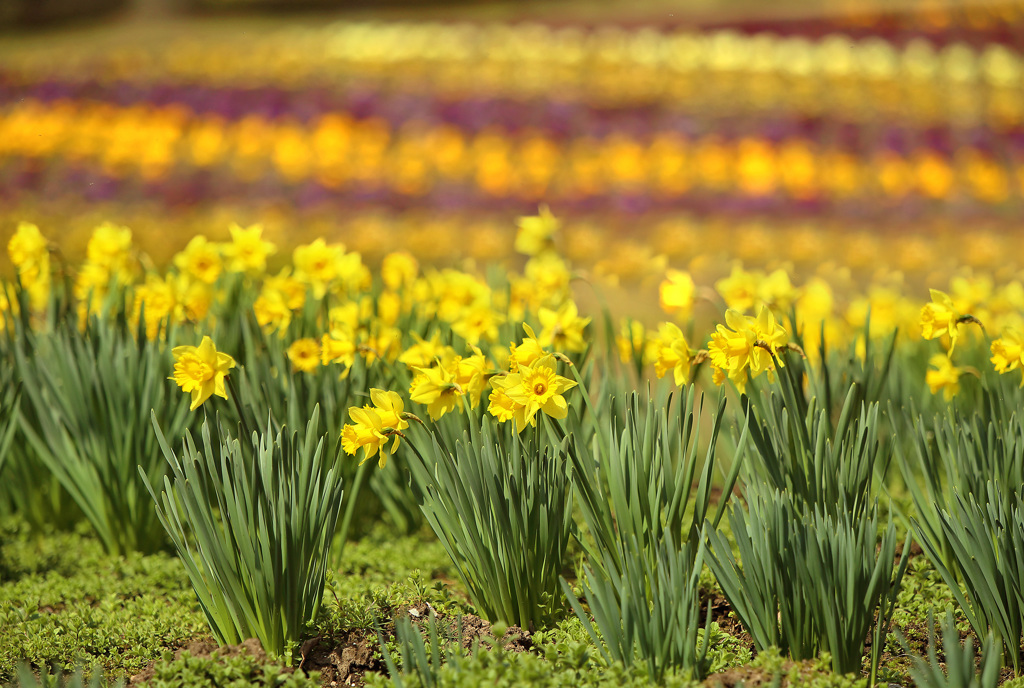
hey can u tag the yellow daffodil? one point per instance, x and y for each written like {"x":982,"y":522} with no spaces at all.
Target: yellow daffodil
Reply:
{"x":677,"y":293}
{"x":373,"y":426}
{"x":536,"y":232}
{"x":92,"y":285}
{"x":776,"y":290}
{"x":5,"y":306}
{"x":389,"y":407}
{"x":939,"y":317}
{"x":526,"y":352}
{"x":672,"y":353}
{"x":110,"y":248}
{"x":292,"y":290}
{"x":399,"y":269}
{"x":193,"y":298}
{"x":943,"y":376}
{"x":335,"y":347}
{"x":248,"y":250}
{"x":30,"y":253}
{"x":389,"y":307}
{"x":815,"y":316}
{"x":971,"y":293}
{"x":471,"y":373}
{"x":200,"y":371}
{"x":425,"y":352}
{"x":739,"y":289}
{"x":272,"y":311}
{"x":747,"y":342}
{"x":28,"y":246}
{"x":503,"y":408}
{"x":155,"y":300}
{"x":563,"y":329}
{"x":1008,"y":353}
{"x":366,"y":432}
{"x":305,"y":354}
{"x":352,"y":274}
{"x":537,"y":388}
{"x":478,"y":322}
{"x":346,"y":317}
{"x":738,"y":377}
{"x":436,"y":389}
{"x":548,"y":277}
{"x":317,"y":264}
{"x":381,"y":342}
{"x":200,"y":259}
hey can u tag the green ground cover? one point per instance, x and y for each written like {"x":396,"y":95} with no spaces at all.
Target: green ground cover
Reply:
{"x":64,"y":603}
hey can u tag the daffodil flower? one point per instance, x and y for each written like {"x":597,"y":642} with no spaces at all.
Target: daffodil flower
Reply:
{"x":200,"y":371}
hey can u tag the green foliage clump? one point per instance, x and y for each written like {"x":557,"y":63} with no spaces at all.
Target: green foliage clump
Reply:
{"x":86,"y":415}
{"x":961,"y":453}
{"x":809,"y":582}
{"x":23,"y":552}
{"x":636,"y":490}
{"x":922,"y":593}
{"x":352,"y":603}
{"x":985,"y":539}
{"x":70,"y":602}
{"x":502,"y":507}
{"x":647,"y":608}
{"x":262,"y":511}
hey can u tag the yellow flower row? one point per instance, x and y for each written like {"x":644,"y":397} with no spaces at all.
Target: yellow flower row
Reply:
{"x":743,"y":348}
{"x":473,"y":307}
{"x":337,"y":152}
{"x":845,"y":253}
{"x":607,"y":64}
{"x":359,"y":314}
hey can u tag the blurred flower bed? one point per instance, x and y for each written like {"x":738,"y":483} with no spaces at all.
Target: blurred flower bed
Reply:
{"x":892,"y":140}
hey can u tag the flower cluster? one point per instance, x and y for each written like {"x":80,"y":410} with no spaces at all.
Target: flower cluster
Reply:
{"x":374,"y":425}
{"x":533,"y":385}
{"x":30,"y":254}
{"x":449,"y":327}
{"x":746,"y":346}
{"x":445,"y":379}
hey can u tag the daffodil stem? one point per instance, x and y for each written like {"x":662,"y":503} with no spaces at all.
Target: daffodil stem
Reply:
{"x":412,"y":416}
{"x":971,"y":319}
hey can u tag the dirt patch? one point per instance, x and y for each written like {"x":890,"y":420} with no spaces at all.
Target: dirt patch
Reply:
{"x":722,"y":614}
{"x":915,"y":550}
{"x":343,"y":660}
{"x":739,"y":676}
{"x":473,"y":628}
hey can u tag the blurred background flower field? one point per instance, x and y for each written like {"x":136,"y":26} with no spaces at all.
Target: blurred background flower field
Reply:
{"x":651,"y":343}
{"x":883,"y":138}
